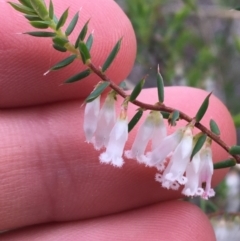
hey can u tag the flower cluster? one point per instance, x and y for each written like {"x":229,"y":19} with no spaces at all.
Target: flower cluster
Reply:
{"x":171,"y":154}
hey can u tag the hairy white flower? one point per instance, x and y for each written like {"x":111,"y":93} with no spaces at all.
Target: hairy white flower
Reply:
{"x":116,"y":143}
{"x":152,"y":127}
{"x":90,"y":118}
{"x":105,"y":123}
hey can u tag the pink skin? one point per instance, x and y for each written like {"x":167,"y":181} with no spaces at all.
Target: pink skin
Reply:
{"x":49,"y":174}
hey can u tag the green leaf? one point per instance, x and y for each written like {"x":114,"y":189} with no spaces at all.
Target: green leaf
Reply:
{"x":199,"y":144}
{"x":65,"y":62}
{"x":98,"y":91}
{"x":123,"y":85}
{"x":235,"y":150}
{"x":22,"y":8}
{"x":214,"y":127}
{"x":173,"y":117}
{"x":59,"y":48}
{"x":62,"y":19}
{"x":51,"y":10}
{"x":72,"y":24}
{"x":39,"y":24}
{"x":85,"y":55}
{"x":40,"y":8}
{"x":26,"y":3}
{"x":165,"y":114}
{"x":78,"y":76}
{"x":225,"y":164}
{"x":60,"y":41}
{"x":202,"y":110}
{"x":82,"y":34}
{"x":135,"y":120}
{"x":137,"y":89}
{"x":112,"y":55}
{"x":89,"y":42}
{"x":32,"y":17}
{"x":41,"y":34}
{"x":160,"y":86}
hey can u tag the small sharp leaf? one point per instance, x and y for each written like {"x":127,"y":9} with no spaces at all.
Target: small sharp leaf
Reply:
{"x":111,"y":56}
{"x":203,"y":108}
{"x":135,"y":120}
{"x":40,"y":8}
{"x":199,"y":144}
{"x":137,"y":89}
{"x":41,"y":34}
{"x":84,"y":52}
{"x":79,"y":76}
{"x":51,"y":10}
{"x":173,"y":118}
{"x":62,"y":19}
{"x":123,"y":85}
{"x":82,"y":34}
{"x":98,"y":91}
{"x":165,"y":114}
{"x":32,"y":17}
{"x":160,"y":86}
{"x":235,"y":150}
{"x":72,"y":24}
{"x":225,"y":164}
{"x":214,"y":127}
{"x":60,"y":41}
{"x":22,"y":8}
{"x":64,"y":62}
{"x":26,"y":3}
{"x":59,"y":48}
{"x":39,"y":24}
{"x":89,"y":42}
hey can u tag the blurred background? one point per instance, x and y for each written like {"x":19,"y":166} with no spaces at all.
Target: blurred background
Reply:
{"x":196,"y":43}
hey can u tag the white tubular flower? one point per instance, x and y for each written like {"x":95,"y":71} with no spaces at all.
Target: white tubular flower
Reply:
{"x":106,"y":121}
{"x":206,"y":170}
{"x":168,"y":144}
{"x":116,"y":143}
{"x":90,"y":118}
{"x":152,"y":126}
{"x":180,"y":159}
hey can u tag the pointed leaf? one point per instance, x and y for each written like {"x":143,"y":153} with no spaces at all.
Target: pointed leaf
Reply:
{"x":82,"y":34}
{"x":112,"y":55}
{"x":79,"y":76}
{"x":39,"y":24}
{"x":72,"y":24}
{"x":203,"y":108}
{"x":89,"y":42}
{"x":26,"y":3}
{"x":137,"y":89}
{"x":40,"y":8}
{"x":51,"y":10}
{"x":41,"y":34}
{"x":64,"y":62}
{"x":32,"y":17}
{"x":165,"y":114}
{"x":173,"y":118}
{"x":98,"y":91}
{"x":199,"y":144}
{"x":85,"y":55}
{"x":214,"y":127}
{"x":135,"y":120}
{"x":60,"y":41}
{"x":160,"y":86}
{"x":225,"y":164}
{"x":62,"y":19}
{"x":123,"y":85}
{"x":235,"y":150}
{"x":22,"y":8}
{"x":59,"y":48}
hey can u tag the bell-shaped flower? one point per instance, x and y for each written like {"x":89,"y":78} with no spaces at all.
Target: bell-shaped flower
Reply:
{"x":158,"y":156}
{"x":90,"y":118}
{"x":105,"y":123}
{"x":117,"y":139}
{"x":152,"y":126}
{"x":180,"y":159}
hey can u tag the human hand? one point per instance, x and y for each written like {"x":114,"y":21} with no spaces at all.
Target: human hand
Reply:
{"x":49,"y":174}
